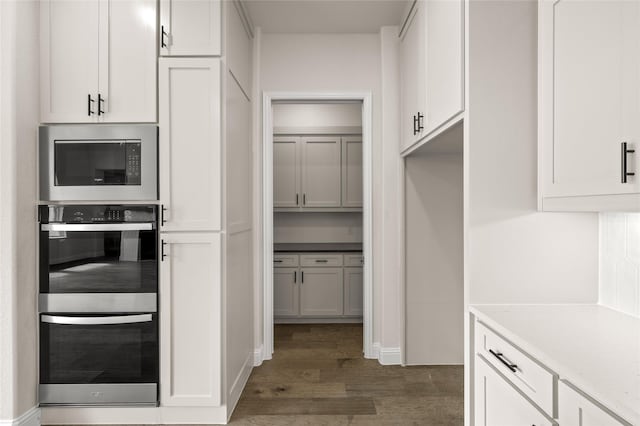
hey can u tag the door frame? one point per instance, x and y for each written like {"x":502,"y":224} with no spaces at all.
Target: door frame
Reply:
{"x":267,"y":207}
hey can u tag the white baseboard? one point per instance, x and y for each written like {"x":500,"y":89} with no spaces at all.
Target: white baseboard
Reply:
{"x":134,"y":415}
{"x":386,"y":356}
{"x":30,"y":418}
{"x":239,"y":384}
{"x":257,"y":356}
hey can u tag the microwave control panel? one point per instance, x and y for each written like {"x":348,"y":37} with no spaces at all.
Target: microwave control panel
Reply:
{"x":133,"y":163}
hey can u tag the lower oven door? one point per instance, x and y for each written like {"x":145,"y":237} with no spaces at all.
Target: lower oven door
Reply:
{"x":98,"y":360}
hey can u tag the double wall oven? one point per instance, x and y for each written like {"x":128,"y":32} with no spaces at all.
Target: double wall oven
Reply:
{"x":98,"y":298}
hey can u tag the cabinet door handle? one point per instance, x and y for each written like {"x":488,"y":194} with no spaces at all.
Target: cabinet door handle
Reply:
{"x":162,"y":253}
{"x":297,"y":199}
{"x":415,"y":125}
{"x":100,"y":103}
{"x":420,"y":118}
{"x":624,"y":155}
{"x":277,"y":261}
{"x":304,"y":199}
{"x":321,"y":260}
{"x":162,"y":43}
{"x":162,"y":210}
{"x":301,"y":277}
{"x":89,"y":102}
{"x":295,"y":277}
{"x":501,"y":358}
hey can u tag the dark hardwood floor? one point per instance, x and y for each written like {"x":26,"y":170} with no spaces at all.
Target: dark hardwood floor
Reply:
{"x":318,"y":377}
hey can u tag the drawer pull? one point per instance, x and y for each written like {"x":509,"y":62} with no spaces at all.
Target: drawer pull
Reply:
{"x":512,"y":367}
{"x":277,"y":261}
{"x":321,"y":260}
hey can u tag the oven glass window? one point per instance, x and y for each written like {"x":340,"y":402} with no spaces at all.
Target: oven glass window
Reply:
{"x":98,"y":353}
{"x":97,"y":163}
{"x":101,"y":262}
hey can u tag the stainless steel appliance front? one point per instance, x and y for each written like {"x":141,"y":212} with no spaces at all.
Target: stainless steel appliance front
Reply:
{"x":98,"y":162}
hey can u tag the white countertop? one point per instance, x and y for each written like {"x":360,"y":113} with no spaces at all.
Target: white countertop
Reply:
{"x":593,"y":347}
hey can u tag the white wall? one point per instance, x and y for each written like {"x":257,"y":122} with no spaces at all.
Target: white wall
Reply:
{"x":19,"y":106}
{"x":317,"y":115}
{"x":317,"y":227}
{"x":515,"y":254}
{"x":620,"y":261}
{"x":348,"y":63}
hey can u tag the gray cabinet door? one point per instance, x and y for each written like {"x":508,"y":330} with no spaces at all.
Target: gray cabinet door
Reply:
{"x":286,"y":172}
{"x":321,"y":164}
{"x":285,"y":292}
{"x":352,"y":171}
{"x":321,"y":291}
{"x":353,"y":279}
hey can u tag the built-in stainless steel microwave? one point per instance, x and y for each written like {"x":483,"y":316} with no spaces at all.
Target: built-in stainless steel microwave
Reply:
{"x":98,"y":162}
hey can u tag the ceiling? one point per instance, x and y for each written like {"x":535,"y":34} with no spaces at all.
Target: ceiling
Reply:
{"x":325,"y":16}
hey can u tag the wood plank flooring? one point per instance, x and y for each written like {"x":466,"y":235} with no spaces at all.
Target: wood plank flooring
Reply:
{"x":318,"y":376}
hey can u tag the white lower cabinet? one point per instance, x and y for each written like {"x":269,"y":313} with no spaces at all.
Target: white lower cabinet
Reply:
{"x":190,"y":320}
{"x":575,"y":409}
{"x":321,"y":291}
{"x":498,"y":403}
{"x":353,"y":297}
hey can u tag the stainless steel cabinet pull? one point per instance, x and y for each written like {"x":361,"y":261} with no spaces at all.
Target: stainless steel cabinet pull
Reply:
{"x":89,"y":102}
{"x":624,"y":154}
{"x":162,"y":219}
{"x":96,"y":227}
{"x":512,"y":367}
{"x":162,"y":254}
{"x":124,"y":319}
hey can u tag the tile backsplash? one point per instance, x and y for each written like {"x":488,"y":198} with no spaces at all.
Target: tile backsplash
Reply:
{"x":620,"y":261}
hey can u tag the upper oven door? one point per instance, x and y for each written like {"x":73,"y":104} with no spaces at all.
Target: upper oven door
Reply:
{"x":98,"y":258}
{"x":98,"y":163}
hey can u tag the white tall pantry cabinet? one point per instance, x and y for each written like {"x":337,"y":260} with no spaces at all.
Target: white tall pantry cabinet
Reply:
{"x":205,"y":188}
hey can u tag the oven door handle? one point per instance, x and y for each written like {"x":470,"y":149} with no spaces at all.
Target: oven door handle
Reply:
{"x":121,"y":319}
{"x":90,"y":227}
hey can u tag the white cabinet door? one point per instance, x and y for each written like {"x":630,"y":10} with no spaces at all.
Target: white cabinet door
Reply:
{"x":190,"y":27}
{"x":321,"y":291}
{"x":190,"y":320}
{"x":239,"y":47}
{"x":590,"y":96}
{"x":190,"y":152}
{"x":351,"y":172}
{"x":353,"y":298}
{"x":498,"y":403}
{"x":69,"y":60}
{"x":444,"y":72}
{"x":128,"y":61}
{"x":575,"y":409}
{"x":286,"y":295}
{"x":321,"y":183}
{"x":286,"y":172}
{"x":412,"y":76}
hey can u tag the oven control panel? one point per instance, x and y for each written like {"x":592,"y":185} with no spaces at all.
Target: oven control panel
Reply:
{"x":97,"y":213}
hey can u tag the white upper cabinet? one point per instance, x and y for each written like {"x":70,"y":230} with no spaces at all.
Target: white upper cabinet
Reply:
{"x":98,"y":61}
{"x":239,"y":45}
{"x":190,"y":27}
{"x":589,"y":104}
{"x":69,"y":60}
{"x":352,"y":172}
{"x":432,"y":70}
{"x":190,"y":144}
{"x":321,"y":169}
{"x":286,"y":172}
{"x":412,"y":76}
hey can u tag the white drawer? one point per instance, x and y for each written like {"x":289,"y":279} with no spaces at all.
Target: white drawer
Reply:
{"x":321,"y":259}
{"x":576,"y":409}
{"x":285,"y":260}
{"x":531,"y":377}
{"x":353,"y":260}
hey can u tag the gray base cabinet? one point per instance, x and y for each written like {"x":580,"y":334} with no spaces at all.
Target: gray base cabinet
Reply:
{"x":317,"y":285}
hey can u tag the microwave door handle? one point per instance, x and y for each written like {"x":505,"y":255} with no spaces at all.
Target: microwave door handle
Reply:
{"x":89,"y":227}
{"x":122,"y":319}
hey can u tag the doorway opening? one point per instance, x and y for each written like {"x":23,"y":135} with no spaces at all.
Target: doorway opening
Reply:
{"x":317,"y":216}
